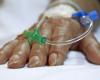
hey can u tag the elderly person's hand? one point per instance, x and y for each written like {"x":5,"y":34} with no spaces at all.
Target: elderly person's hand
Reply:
{"x":19,"y":52}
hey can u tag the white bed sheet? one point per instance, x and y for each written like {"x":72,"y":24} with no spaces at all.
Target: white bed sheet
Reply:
{"x":18,"y":15}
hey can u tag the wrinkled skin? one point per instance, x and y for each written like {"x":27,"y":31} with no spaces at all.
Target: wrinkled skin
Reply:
{"x":18,"y":52}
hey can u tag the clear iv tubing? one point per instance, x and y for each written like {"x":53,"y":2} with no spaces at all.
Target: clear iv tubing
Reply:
{"x":74,"y":40}
{"x":71,"y":41}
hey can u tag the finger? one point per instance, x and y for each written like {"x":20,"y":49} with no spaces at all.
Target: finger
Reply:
{"x":6,"y":51}
{"x":57,"y":55}
{"x":91,"y":48}
{"x":21,"y":52}
{"x":64,"y":29}
{"x":38,"y":55}
{"x":20,"y":55}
